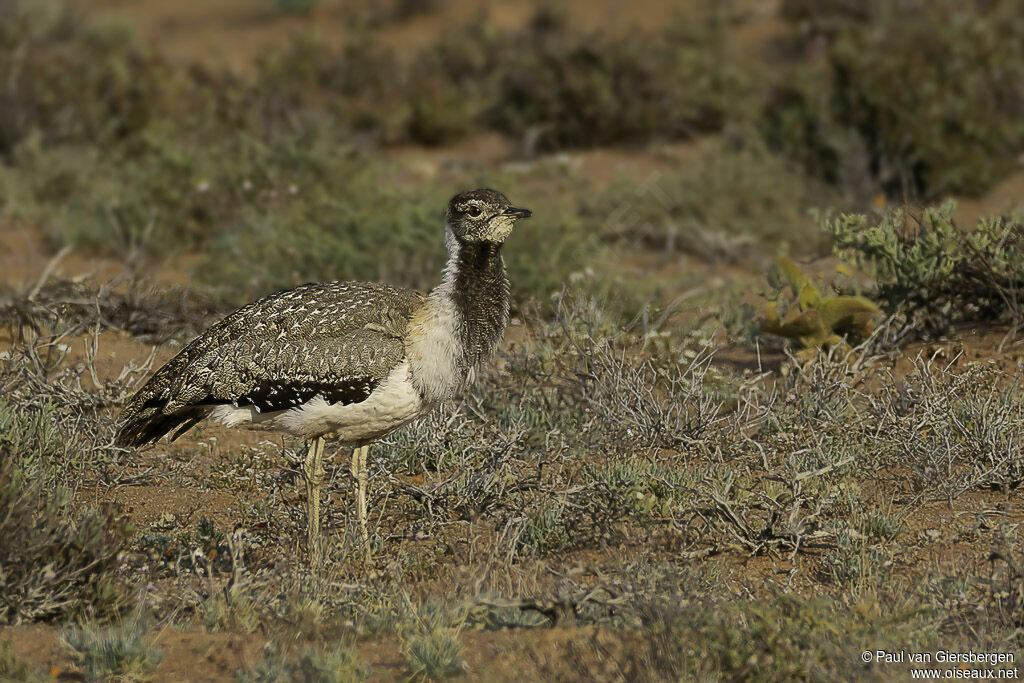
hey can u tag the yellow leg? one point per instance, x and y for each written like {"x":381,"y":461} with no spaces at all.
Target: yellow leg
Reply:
{"x":313,"y":473}
{"x":360,"y":476}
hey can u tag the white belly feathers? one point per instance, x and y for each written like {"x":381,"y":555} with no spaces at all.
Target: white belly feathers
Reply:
{"x":392,"y":404}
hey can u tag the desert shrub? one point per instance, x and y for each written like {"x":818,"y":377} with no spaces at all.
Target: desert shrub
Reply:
{"x":285,"y":212}
{"x":431,"y":635}
{"x":69,"y":80}
{"x":170,"y":190}
{"x":927,"y":103}
{"x":738,"y":196}
{"x":654,"y":405}
{"x":231,"y":611}
{"x":785,"y":638}
{"x":798,"y":122}
{"x":544,"y":84}
{"x":337,"y":220}
{"x":335,"y":665}
{"x":453,"y":83}
{"x":825,"y":15}
{"x":857,"y":562}
{"x":395,"y":11}
{"x":580,"y":91}
{"x":43,"y":396}
{"x":306,"y":87}
{"x":62,"y":307}
{"x":808,"y":490}
{"x":954,"y":430}
{"x":933,"y":274}
{"x":970,"y":61}
{"x":544,"y":530}
{"x":436,"y":655}
{"x":123,"y":652}
{"x":437,"y":114}
{"x":930,"y":93}
{"x":269,"y":215}
{"x":620,"y":500}
{"x":55,"y":562}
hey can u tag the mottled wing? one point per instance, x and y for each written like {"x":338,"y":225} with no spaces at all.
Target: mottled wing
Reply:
{"x":290,"y":366}
{"x":337,"y":340}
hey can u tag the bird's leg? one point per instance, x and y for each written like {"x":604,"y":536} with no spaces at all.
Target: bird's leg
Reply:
{"x":359,"y":475}
{"x":313,"y":473}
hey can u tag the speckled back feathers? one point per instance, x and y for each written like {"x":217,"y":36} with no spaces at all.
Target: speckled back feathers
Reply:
{"x":336,"y":339}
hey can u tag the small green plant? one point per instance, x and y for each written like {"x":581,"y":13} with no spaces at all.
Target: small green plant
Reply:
{"x":435,"y":655}
{"x":430,"y":632}
{"x":335,"y":665}
{"x":931,"y":273}
{"x":884,"y":526}
{"x":13,"y":668}
{"x":544,"y":529}
{"x":303,"y":615}
{"x":857,"y":562}
{"x":232,"y":611}
{"x":123,"y":653}
{"x":815,"y":320}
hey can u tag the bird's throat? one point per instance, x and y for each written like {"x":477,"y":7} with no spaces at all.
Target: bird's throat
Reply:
{"x":481,"y":297}
{"x":462,"y":321}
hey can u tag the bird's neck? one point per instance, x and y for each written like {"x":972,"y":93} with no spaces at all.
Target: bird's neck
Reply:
{"x":476,"y":286}
{"x":463,"y":319}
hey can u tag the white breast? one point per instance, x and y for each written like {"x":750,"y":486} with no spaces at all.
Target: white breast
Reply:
{"x":434,"y":349}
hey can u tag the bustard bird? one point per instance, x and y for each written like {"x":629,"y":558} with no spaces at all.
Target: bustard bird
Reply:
{"x":351,"y":359}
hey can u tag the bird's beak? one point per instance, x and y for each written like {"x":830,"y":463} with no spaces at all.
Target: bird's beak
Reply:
{"x":517,"y":213}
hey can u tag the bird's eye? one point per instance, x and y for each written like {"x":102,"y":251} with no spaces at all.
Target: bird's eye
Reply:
{"x":474,"y":211}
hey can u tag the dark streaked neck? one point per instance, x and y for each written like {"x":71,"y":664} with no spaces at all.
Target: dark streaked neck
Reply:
{"x":479,"y":289}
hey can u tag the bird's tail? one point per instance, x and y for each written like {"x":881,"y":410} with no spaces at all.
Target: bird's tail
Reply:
{"x":145,"y":419}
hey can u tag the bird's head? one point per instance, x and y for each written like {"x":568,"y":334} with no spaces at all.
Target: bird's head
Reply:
{"x":482,"y":216}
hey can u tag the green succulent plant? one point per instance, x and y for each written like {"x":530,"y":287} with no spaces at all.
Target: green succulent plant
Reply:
{"x":815,"y":320}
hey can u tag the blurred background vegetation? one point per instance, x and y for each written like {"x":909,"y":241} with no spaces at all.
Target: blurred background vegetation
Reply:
{"x":292,"y":163}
